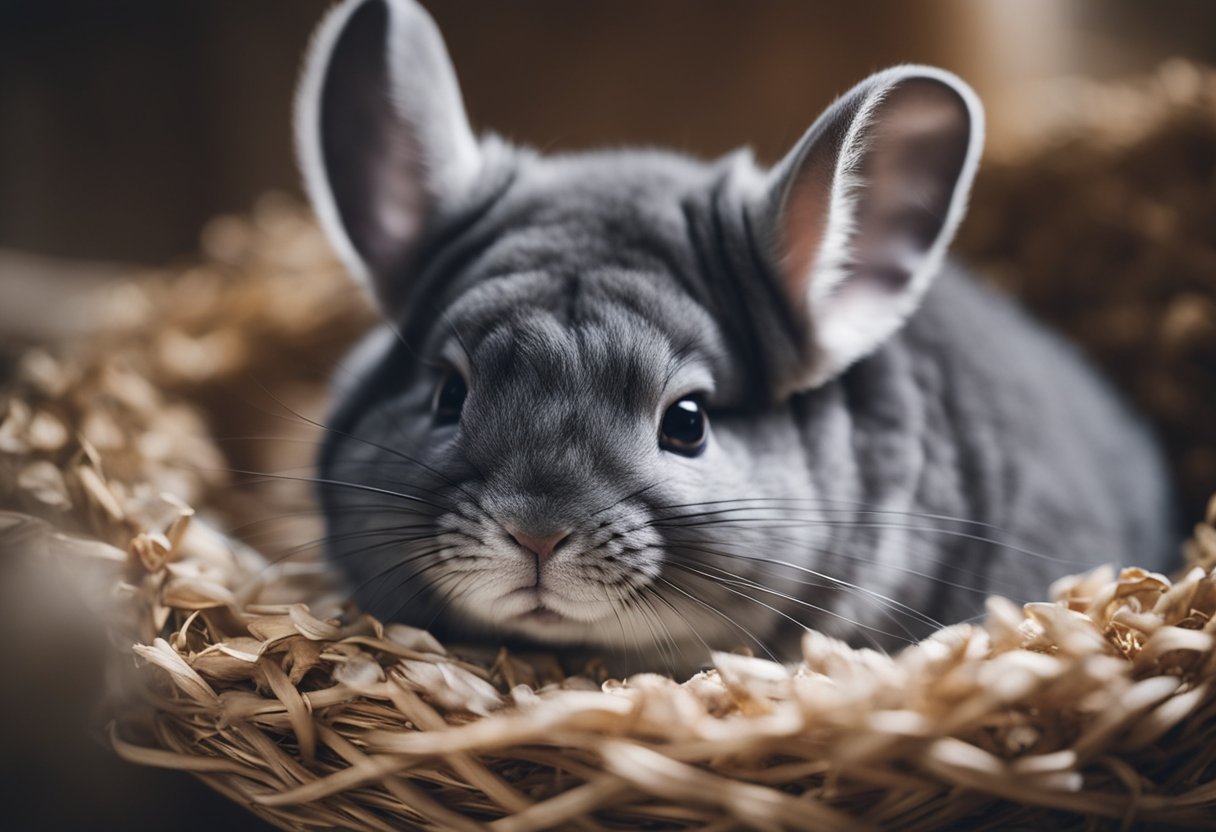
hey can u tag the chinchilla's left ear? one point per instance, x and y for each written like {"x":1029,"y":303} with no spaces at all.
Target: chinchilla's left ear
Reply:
{"x":382,"y":136}
{"x":856,"y":219}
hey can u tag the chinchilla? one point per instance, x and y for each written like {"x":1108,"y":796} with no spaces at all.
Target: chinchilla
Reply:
{"x":636,"y":403}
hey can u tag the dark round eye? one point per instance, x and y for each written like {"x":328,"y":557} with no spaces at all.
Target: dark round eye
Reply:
{"x":685,"y":427}
{"x":449,"y":398}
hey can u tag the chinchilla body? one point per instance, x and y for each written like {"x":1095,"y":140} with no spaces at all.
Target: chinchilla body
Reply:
{"x":640,"y":404}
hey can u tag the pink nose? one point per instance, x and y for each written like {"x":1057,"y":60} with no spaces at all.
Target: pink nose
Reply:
{"x":542,"y":547}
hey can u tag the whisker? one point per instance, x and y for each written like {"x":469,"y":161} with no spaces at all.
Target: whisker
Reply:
{"x":683,"y":618}
{"x":312,"y":511}
{"x":859,"y":506}
{"x":892,"y":610}
{"x":451,"y":595}
{"x":759,"y":641}
{"x":752,"y":585}
{"x":856,"y":589}
{"x":336,"y":483}
{"x":643,"y":607}
{"x":383,"y":589}
{"x":984,"y":583}
{"x":392,"y":567}
{"x":346,"y":435}
{"x":626,"y":498}
{"x":345,"y":464}
{"x":277,"y":555}
{"x":612,"y":605}
{"x":982,"y":587}
{"x":790,"y":523}
{"x":423,"y":586}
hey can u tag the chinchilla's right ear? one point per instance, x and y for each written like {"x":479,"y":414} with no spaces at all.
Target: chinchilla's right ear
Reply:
{"x":382,"y":136}
{"x":856,"y":219}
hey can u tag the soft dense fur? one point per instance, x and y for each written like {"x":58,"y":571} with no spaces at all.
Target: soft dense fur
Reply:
{"x":889,"y":442}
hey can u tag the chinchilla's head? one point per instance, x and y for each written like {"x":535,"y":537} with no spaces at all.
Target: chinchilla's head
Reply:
{"x":586,"y":358}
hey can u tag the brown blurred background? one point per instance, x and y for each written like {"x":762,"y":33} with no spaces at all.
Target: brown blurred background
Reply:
{"x":125,"y":125}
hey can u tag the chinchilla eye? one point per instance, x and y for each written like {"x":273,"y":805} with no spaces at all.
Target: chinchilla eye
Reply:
{"x":685,"y":427}
{"x":449,"y":398}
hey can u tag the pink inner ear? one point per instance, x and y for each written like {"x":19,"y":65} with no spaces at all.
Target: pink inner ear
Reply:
{"x":915,"y":148}
{"x":867,"y":209}
{"x":804,"y":221}
{"x":911,"y":151}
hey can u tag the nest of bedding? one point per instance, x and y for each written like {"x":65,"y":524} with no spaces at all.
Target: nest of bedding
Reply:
{"x":235,"y":657}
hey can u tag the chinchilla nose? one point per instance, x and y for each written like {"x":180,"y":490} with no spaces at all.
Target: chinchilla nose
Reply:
{"x":542,"y":547}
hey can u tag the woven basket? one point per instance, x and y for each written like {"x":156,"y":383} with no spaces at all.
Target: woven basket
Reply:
{"x":236,"y":659}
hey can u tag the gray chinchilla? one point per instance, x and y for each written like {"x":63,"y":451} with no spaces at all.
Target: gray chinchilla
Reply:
{"x":639,"y":404}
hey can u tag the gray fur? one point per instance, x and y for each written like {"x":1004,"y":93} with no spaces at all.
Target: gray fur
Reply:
{"x":969,"y":452}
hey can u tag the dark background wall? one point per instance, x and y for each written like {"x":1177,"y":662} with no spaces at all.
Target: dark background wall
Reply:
{"x":125,"y":124}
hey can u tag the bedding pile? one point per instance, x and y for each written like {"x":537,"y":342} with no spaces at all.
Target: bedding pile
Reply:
{"x":159,"y":465}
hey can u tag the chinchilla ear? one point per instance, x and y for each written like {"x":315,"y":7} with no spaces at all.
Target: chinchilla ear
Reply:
{"x":382,"y":136}
{"x":857,"y":217}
